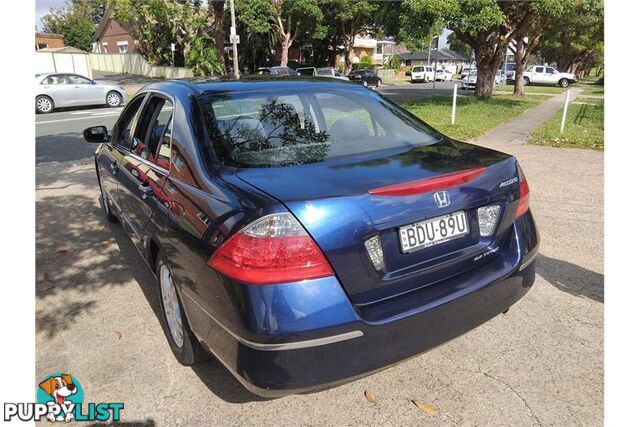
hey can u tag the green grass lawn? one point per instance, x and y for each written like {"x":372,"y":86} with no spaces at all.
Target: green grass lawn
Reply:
{"x":584,"y":127}
{"x":593,"y":90}
{"x":473,"y":117}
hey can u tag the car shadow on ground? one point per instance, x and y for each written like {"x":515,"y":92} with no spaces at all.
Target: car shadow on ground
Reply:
{"x":571,"y":278}
{"x":64,"y":147}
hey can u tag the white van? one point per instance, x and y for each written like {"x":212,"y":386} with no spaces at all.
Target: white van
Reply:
{"x":422,"y":73}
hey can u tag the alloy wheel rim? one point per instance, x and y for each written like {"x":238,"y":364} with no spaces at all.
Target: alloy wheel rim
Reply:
{"x":44,"y":104}
{"x":113,"y":99}
{"x":171,"y":306}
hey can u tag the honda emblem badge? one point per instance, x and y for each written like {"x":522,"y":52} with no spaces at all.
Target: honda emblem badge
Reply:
{"x":442,"y":199}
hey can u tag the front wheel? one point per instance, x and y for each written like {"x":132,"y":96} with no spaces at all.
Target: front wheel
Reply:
{"x":526,"y":81}
{"x":184,"y":345}
{"x":114,"y":99}
{"x":44,"y":104}
{"x":563,"y":82}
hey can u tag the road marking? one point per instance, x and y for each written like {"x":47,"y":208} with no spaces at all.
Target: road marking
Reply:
{"x":73,"y":119}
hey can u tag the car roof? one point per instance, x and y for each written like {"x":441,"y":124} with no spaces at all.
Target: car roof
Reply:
{"x":249,"y":83}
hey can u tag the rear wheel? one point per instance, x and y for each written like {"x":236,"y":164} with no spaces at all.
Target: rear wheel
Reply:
{"x":526,"y":81}
{"x":563,"y":82}
{"x":44,"y":104}
{"x":183,"y":343}
{"x":114,"y":99}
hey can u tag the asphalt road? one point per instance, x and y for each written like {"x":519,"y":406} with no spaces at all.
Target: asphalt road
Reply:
{"x":97,"y":315}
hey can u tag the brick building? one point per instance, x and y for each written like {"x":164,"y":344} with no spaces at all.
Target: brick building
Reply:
{"x":112,"y":37}
{"x":49,"y":40}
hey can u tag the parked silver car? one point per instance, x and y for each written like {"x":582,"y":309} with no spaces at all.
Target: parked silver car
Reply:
{"x":58,"y":90}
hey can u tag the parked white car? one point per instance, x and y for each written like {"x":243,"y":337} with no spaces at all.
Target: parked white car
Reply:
{"x":421,"y":73}
{"x":443,"y":76}
{"x":465,"y":72}
{"x":330,"y":72}
{"x":545,"y":75}
{"x":58,"y":90}
{"x":469,"y":82}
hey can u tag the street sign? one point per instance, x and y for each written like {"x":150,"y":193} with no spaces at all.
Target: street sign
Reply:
{"x":233,"y":31}
{"x":173,"y":47}
{"x":234,"y":39}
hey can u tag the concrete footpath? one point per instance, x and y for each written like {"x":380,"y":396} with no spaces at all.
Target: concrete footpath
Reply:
{"x":516,"y":130}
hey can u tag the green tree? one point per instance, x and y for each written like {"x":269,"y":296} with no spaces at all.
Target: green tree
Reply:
{"x":487,"y":26}
{"x":540,"y":16}
{"x":74,"y":22}
{"x":352,"y":17}
{"x":254,"y":19}
{"x":575,"y":42}
{"x":294,"y":18}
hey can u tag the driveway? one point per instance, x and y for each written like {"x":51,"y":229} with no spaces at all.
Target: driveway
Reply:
{"x":97,"y":316}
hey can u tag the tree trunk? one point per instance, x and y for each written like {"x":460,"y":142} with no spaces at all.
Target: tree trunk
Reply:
{"x":348,"y":48}
{"x":519,"y":56}
{"x":217,"y":8}
{"x":488,"y":60}
{"x":285,"y":42}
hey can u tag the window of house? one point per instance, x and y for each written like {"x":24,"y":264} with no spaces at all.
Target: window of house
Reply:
{"x":42,"y":46}
{"x":105,"y":47}
{"x":123,"y":47}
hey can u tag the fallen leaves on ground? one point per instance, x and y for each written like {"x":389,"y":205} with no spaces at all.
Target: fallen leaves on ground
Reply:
{"x":369,"y":397}
{"x":426,"y":408}
{"x":119,"y":335}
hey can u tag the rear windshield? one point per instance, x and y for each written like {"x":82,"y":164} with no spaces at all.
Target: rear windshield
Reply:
{"x":282,"y":128}
{"x":418,"y":69}
{"x":324,"y":73}
{"x":305,"y":71}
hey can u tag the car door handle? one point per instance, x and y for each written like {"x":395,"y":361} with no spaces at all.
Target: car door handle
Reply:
{"x":114,"y":167}
{"x":146,"y":190}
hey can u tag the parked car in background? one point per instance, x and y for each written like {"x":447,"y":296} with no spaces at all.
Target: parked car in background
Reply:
{"x":465,"y":72}
{"x":365,"y":78}
{"x":510,"y":71}
{"x":321,"y":72}
{"x":545,"y":75}
{"x":330,"y":72}
{"x":60,"y":90}
{"x":403,"y":240}
{"x":421,"y":73}
{"x":469,"y":82}
{"x":443,"y":75}
{"x":277,"y":71}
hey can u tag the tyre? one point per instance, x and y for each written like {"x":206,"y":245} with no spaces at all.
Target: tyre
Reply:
{"x":104,"y":201}
{"x":114,"y":99}
{"x":44,"y":104}
{"x":184,"y":345}
{"x":526,"y":80}
{"x":563,"y":82}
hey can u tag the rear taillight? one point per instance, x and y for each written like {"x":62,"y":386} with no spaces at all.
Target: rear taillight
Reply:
{"x":426,"y":185}
{"x":523,"y":202}
{"x":273,"y":249}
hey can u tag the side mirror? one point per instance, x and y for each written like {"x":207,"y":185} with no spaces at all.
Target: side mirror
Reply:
{"x":93,"y":82}
{"x":96,"y":134}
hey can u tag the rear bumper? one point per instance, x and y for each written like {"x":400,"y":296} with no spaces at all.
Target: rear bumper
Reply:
{"x":340,"y":342}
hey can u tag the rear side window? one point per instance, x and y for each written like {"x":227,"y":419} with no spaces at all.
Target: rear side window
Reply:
{"x":271,"y":128}
{"x":55,"y":80}
{"x":539,"y":69}
{"x":126,"y":122}
{"x":152,"y":139}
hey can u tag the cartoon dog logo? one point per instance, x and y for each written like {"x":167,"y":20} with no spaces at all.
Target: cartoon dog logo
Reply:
{"x":59,"y":388}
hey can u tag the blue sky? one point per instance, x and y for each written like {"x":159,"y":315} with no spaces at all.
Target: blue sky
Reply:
{"x":43,"y":6}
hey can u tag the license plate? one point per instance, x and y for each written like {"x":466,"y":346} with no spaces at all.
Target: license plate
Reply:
{"x":433,"y":231}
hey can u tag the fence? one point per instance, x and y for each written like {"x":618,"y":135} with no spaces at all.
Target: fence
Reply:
{"x":118,"y":63}
{"x":52,"y":62}
{"x":133,"y":63}
{"x":385,"y":73}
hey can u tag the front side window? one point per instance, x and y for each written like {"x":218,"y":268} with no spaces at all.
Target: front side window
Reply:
{"x":272,"y":129}
{"x":539,"y":69}
{"x":126,"y":122}
{"x":418,"y":69}
{"x":551,"y":70}
{"x":152,"y":137}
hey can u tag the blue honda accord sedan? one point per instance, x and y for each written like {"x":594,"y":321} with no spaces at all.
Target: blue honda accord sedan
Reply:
{"x":308,"y":232}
